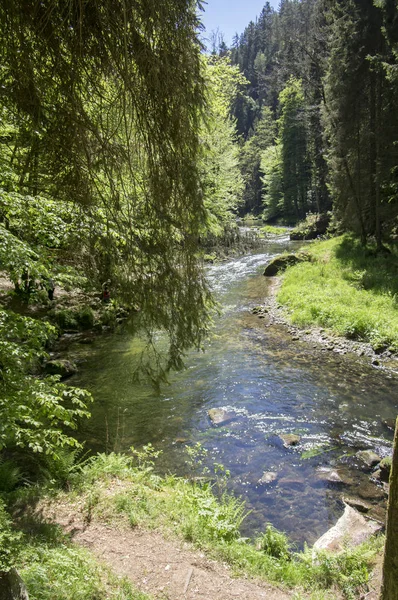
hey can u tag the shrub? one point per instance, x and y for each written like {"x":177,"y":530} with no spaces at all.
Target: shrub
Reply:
{"x":85,"y":317}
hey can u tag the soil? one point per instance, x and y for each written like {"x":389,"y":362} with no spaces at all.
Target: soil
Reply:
{"x":164,"y":568}
{"x":168,"y":568}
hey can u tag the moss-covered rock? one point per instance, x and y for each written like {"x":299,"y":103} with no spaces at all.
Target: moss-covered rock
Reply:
{"x":65,"y":368}
{"x":280,"y":263}
{"x":311,"y":228}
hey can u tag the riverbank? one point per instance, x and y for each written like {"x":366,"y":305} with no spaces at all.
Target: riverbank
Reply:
{"x":171,"y":537}
{"x":343,"y":298}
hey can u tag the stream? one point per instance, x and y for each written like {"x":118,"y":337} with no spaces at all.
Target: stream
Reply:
{"x":274,"y":385}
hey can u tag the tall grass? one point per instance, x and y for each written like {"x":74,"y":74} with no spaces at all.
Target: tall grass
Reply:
{"x":348,"y":289}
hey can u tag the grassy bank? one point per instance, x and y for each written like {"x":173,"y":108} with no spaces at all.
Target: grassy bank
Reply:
{"x":348,"y":289}
{"x":117,"y":489}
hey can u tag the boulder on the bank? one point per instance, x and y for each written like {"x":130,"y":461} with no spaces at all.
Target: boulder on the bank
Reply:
{"x":351,"y":529}
{"x":370,"y":458}
{"x":65,"y":368}
{"x":220,"y":416}
{"x":311,"y":228}
{"x":289,"y":439}
{"x":280,"y":263}
{"x":11,"y":586}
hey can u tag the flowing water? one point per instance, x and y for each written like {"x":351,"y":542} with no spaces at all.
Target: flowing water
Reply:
{"x":336,"y":404}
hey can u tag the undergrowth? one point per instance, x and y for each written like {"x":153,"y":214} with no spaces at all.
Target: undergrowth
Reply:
{"x":119,"y":488}
{"x":117,"y":485}
{"x":348,"y":289}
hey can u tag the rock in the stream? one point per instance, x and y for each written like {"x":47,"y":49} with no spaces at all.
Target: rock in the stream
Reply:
{"x":289,"y":439}
{"x":220,"y":416}
{"x":328,"y":475}
{"x":369,"y":457}
{"x":385,"y":469}
{"x":358,"y":504}
{"x":11,"y":586}
{"x":267,"y":477}
{"x":351,"y":529}
{"x":65,"y":368}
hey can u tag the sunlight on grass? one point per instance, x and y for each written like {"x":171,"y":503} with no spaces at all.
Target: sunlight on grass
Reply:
{"x":348,"y":289}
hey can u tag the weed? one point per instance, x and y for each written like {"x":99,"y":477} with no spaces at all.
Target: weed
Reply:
{"x":274,"y":543}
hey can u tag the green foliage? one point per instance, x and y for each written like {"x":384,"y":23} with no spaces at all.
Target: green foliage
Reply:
{"x":10,"y":541}
{"x":221,"y":181}
{"x":274,"y":230}
{"x":85,"y":317}
{"x":10,"y":475}
{"x":100,"y":168}
{"x":348,"y":289}
{"x":292,"y":126}
{"x":66,"y":318}
{"x":35,"y":412}
{"x":271,"y":166}
{"x":274,"y":543}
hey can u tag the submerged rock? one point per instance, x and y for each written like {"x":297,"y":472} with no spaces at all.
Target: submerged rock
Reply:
{"x":328,"y":475}
{"x":65,"y":368}
{"x":268,"y":477}
{"x":370,"y":458}
{"x":220,"y":416}
{"x":351,"y":529}
{"x":290,"y":439}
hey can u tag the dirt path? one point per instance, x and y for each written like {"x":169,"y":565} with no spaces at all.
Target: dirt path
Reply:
{"x":167,"y":569}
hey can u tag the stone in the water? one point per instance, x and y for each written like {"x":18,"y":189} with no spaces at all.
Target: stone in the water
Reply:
{"x":281,"y":262}
{"x":65,"y":368}
{"x":268,"y":477}
{"x":385,"y":469}
{"x":220,"y":416}
{"x":289,"y":439}
{"x":369,"y":457}
{"x":370,"y":491}
{"x":292,"y":482}
{"x":328,"y":475}
{"x":358,"y":504}
{"x":351,"y":529}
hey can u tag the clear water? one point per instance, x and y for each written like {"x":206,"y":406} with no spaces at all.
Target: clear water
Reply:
{"x":273,"y":384}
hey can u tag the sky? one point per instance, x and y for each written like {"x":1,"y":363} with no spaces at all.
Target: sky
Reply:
{"x":231,"y":16}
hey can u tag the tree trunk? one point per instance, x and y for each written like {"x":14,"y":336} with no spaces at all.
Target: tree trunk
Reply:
{"x":390,"y":566}
{"x":11,"y":586}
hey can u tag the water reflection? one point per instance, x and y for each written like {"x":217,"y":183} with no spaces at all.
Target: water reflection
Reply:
{"x":274,"y":385}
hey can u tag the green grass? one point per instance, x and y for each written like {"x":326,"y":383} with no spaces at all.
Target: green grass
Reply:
{"x":273,"y":230}
{"x":189,"y":510}
{"x":123,"y":490}
{"x":66,"y":572}
{"x":347,"y":289}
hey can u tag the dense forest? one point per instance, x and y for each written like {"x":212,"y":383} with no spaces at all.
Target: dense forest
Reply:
{"x":127,"y":150}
